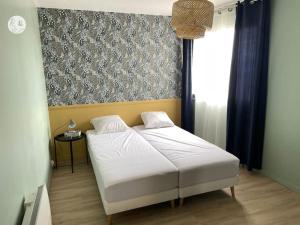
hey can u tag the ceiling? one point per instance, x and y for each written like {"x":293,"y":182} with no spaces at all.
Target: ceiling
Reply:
{"x":152,"y":7}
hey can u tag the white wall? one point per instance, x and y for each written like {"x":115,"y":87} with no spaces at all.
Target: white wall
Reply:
{"x":151,"y":7}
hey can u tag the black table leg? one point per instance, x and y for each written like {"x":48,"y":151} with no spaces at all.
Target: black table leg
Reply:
{"x":86,"y":151}
{"x":71,"y":150}
{"x":55,"y":154}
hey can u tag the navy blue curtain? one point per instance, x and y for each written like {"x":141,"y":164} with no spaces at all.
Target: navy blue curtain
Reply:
{"x":248,"y":83}
{"x":187,"y":116}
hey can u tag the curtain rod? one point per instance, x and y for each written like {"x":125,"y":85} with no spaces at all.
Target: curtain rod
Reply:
{"x":226,"y":5}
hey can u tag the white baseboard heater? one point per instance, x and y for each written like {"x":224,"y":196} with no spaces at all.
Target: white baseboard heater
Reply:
{"x":37,"y":208}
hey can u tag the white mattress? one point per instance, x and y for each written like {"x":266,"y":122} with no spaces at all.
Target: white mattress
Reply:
{"x":126,"y":166}
{"x":198,"y":161}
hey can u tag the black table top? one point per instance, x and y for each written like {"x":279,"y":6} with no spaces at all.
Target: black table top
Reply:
{"x":61,"y":137}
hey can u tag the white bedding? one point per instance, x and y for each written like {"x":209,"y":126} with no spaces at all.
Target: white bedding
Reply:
{"x":126,"y":166}
{"x":197,"y":160}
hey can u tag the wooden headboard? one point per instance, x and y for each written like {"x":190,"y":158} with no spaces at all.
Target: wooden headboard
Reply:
{"x":82,"y":114}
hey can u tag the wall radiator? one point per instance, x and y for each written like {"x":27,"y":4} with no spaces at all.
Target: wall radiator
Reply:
{"x":37,"y":208}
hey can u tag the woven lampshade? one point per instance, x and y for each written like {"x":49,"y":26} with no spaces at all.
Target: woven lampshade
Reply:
{"x":190,"y":18}
{"x":190,"y":32}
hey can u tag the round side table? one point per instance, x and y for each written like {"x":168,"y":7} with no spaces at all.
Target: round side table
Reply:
{"x":62,"y":138}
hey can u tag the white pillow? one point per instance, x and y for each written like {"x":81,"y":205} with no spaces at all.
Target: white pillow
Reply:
{"x":109,"y":124}
{"x":156,"y":120}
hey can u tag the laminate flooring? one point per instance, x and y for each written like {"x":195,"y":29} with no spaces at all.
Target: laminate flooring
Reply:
{"x":75,"y":200}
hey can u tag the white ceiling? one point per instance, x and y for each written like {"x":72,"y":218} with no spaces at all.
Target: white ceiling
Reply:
{"x":152,"y":7}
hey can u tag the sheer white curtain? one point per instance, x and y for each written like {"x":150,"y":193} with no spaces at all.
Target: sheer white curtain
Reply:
{"x":211,"y":70}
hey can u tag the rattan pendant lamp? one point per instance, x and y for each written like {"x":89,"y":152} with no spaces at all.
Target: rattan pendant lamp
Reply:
{"x":191,"y":18}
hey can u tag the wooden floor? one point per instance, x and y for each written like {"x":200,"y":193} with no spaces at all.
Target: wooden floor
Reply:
{"x":260,"y":201}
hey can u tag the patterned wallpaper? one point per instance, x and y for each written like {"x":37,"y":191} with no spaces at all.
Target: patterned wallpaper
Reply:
{"x":95,"y":57}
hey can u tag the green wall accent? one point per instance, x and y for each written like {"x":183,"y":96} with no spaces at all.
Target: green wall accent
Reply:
{"x":24,"y":122}
{"x":282,"y":137}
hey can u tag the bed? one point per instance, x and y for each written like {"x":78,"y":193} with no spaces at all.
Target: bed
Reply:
{"x":129,"y":172}
{"x":202,"y":166}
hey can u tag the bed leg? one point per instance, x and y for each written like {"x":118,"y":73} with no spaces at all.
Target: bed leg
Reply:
{"x":109,"y":219}
{"x":181,"y":202}
{"x":172,"y":204}
{"x":232,"y":192}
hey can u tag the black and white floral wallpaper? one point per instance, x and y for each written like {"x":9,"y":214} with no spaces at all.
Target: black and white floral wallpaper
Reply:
{"x":95,"y":57}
